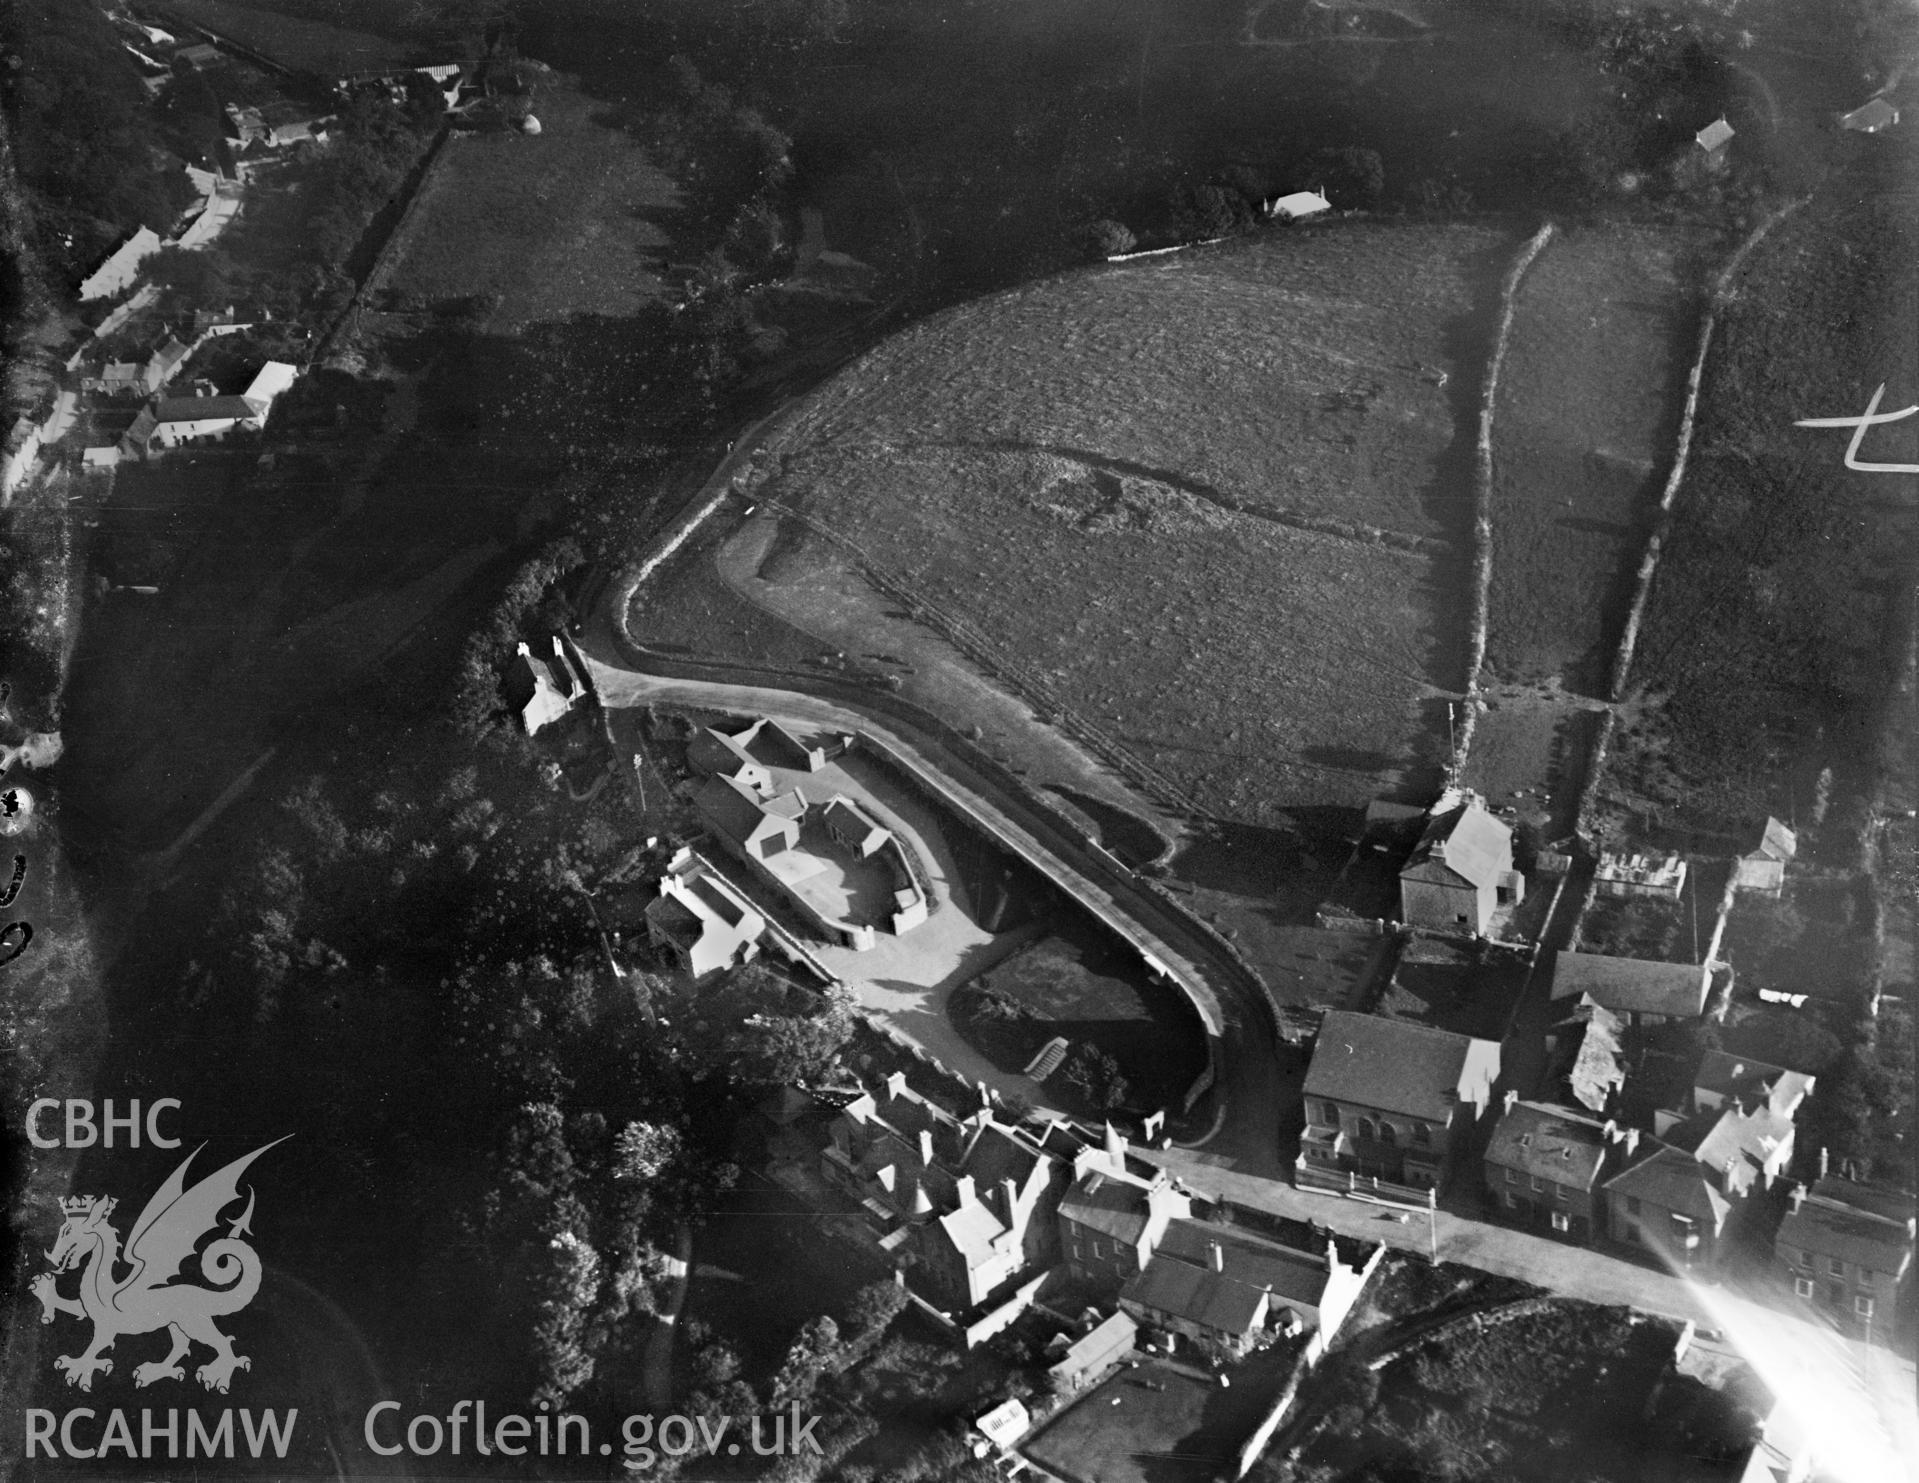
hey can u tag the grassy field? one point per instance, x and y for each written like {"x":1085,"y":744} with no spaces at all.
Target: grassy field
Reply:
{"x":313,"y":46}
{"x":1588,"y":406}
{"x":1280,"y":541}
{"x":555,"y":225}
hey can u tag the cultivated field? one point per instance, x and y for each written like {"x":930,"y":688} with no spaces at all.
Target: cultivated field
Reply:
{"x":1582,"y":437}
{"x":1239,"y":476}
{"x":554,"y":225}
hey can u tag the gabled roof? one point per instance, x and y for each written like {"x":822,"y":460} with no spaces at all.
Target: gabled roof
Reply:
{"x":1716,"y":135}
{"x":1776,"y":842}
{"x":1672,"y":1179}
{"x":1397,"y":1066}
{"x":1300,"y":203}
{"x":1870,"y":117}
{"x":1632,"y":985}
{"x":1549,"y":1143}
{"x":1115,"y":1205}
{"x":1598,"y":1069}
{"x":205,"y":409}
{"x":1297,"y":1276}
{"x":1742,"y":1077}
{"x":1854,"y":1223}
{"x":729,"y":806}
{"x":1462,"y":840}
{"x":1737,"y":1145}
{"x":973,"y":1229}
{"x":1196,"y":1294}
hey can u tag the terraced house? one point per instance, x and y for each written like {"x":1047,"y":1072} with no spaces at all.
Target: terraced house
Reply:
{"x":1543,"y":1166}
{"x":1390,"y":1100}
{"x":1112,"y":1220}
{"x":1846,"y":1249}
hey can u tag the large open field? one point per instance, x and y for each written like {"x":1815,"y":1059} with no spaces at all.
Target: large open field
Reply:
{"x":1239,"y":475}
{"x":555,"y":225}
{"x":305,"y":45}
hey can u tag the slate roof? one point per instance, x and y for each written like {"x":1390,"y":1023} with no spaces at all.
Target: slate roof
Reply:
{"x":1197,"y":1294}
{"x":1672,"y":1179}
{"x":1294,"y":1275}
{"x":1467,"y":842}
{"x":1598,"y":1069}
{"x":1777,"y":842}
{"x":1852,"y":1222}
{"x":1113,"y":1205}
{"x":1549,"y":1143}
{"x":1632,"y":985}
{"x":729,"y":806}
{"x":1741,"y":1077}
{"x":1396,"y":1066}
{"x":205,"y":409}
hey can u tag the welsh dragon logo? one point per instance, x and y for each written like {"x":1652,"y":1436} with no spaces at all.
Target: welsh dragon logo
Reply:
{"x":149,"y":1297}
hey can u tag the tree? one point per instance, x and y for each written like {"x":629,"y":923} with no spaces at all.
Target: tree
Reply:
{"x":875,"y":1306}
{"x":644,"y":1150}
{"x":1350,"y":177}
{"x":566,"y":1288}
{"x":1107,"y":238}
{"x":814,"y":1349}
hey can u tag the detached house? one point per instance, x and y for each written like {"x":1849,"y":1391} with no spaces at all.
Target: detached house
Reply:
{"x":702,"y":919}
{"x":1543,"y":1166}
{"x":1390,"y":1099}
{"x":1461,"y":870}
{"x":1847,"y":1250}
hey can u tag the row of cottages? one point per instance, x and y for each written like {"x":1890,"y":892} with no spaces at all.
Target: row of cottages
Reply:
{"x":1672,"y":1191}
{"x":843,"y":868}
{"x":1393,"y":1101}
{"x":122,"y":268}
{"x":1846,"y":1250}
{"x":1460,"y":873}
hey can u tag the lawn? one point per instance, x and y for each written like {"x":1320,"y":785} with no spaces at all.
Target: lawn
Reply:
{"x":1089,"y":988}
{"x":304,"y":45}
{"x":559,"y":224}
{"x":1583,"y":430}
{"x":1282,"y":541}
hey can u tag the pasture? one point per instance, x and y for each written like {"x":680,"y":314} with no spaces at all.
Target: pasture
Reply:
{"x":1240,"y":475}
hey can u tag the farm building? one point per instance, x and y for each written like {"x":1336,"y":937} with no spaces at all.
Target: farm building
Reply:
{"x":174,"y":421}
{"x":119,"y":271}
{"x":1389,"y":1099}
{"x":1763,"y":868}
{"x":1660,"y":877}
{"x":1297,"y":206}
{"x":1461,"y":871}
{"x":1643,"y":992}
{"x":1870,"y":117}
{"x":701,"y":919}
{"x":1222,"y":1287}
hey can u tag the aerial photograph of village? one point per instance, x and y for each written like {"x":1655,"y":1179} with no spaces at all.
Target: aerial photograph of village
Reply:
{"x":927,"y":741}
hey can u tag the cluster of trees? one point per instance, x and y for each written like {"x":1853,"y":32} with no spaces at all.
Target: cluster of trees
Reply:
{"x":733,"y":166}
{"x":85,"y":143}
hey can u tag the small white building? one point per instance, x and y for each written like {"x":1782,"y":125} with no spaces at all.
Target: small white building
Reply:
{"x":1297,"y":206}
{"x":1715,"y":136}
{"x":1662,"y":877}
{"x":1870,"y":117}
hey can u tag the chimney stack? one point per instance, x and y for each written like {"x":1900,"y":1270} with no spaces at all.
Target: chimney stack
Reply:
{"x":1218,"y":1254}
{"x":963,"y":1189}
{"x":1632,"y":1141}
{"x":1797,"y":1196}
{"x":896,"y":1085}
{"x":1010,"y":1192}
{"x":1511,"y":1098}
{"x":1611,"y":1131}
{"x":1822,"y":1163}
{"x":926,"y":1148}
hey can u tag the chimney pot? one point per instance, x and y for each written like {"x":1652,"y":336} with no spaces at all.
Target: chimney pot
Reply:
{"x":1218,"y":1254}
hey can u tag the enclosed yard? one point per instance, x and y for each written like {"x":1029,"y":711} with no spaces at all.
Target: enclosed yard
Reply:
{"x":1282,"y":539}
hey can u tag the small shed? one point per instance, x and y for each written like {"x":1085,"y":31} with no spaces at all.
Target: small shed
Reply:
{"x":1870,"y":117}
{"x":1715,"y":136}
{"x":1297,"y":206}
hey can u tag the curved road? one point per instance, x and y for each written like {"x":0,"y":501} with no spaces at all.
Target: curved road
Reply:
{"x":1230,"y":1000}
